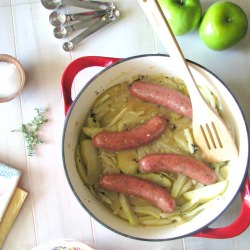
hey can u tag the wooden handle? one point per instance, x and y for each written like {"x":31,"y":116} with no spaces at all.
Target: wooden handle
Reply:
{"x":157,"y":19}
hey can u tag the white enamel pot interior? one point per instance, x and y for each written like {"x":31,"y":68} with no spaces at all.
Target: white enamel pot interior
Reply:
{"x":119,"y":72}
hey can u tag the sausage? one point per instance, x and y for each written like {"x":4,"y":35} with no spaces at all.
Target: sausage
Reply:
{"x":162,"y":95}
{"x":133,"y":138}
{"x":185,"y":165}
{"x":144,"y":189}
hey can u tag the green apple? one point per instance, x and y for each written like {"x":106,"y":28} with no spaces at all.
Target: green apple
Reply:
{"x":183,"y":16}
{"x":223,"y":25}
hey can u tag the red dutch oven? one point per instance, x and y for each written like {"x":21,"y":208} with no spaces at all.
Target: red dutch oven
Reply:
{"x":117,"y":70}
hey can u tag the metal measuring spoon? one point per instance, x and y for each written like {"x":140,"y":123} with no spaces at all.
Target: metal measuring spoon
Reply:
{"x":58,"y":18}
{"x":62,"y":31}
{"x":106,"y":19}
{"x":92,"y":5}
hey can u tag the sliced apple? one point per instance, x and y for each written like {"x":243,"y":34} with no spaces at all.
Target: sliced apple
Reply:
{"x":207,"y":193}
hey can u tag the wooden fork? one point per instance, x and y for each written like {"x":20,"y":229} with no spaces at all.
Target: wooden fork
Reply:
{"x":210,"y":132}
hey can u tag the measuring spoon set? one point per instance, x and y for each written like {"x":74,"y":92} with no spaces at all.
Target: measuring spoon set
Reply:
{"x":97,"y":15}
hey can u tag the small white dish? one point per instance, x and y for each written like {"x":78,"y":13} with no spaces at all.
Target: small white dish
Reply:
{"x":63,"y":244}
{"x":8,"y":59}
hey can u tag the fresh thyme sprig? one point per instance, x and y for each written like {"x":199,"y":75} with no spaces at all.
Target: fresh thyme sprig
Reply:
{"x":30,"y":130}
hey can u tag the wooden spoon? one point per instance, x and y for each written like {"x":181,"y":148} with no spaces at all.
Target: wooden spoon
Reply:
{"x":209,"y":130}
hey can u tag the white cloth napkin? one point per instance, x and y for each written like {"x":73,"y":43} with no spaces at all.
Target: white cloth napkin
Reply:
{"x":9,"y":178}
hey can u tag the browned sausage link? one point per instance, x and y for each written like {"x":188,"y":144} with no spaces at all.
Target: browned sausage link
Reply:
{"x":159,"y":94}
{"x":132,"y":185}
{"x":133,"y":138}
{"x":185,"y":165}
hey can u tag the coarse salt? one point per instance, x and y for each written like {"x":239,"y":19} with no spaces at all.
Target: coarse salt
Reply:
{"x":10,"y":79}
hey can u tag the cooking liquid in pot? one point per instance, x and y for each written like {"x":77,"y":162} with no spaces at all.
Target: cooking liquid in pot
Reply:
{"x":117,"y":110}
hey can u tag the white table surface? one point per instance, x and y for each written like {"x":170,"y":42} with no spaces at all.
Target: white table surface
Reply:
{"x":51,"y":211}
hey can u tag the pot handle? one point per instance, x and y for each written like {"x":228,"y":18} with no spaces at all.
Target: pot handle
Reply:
{"x":76,"y":66}
{"x":238,"y":226}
